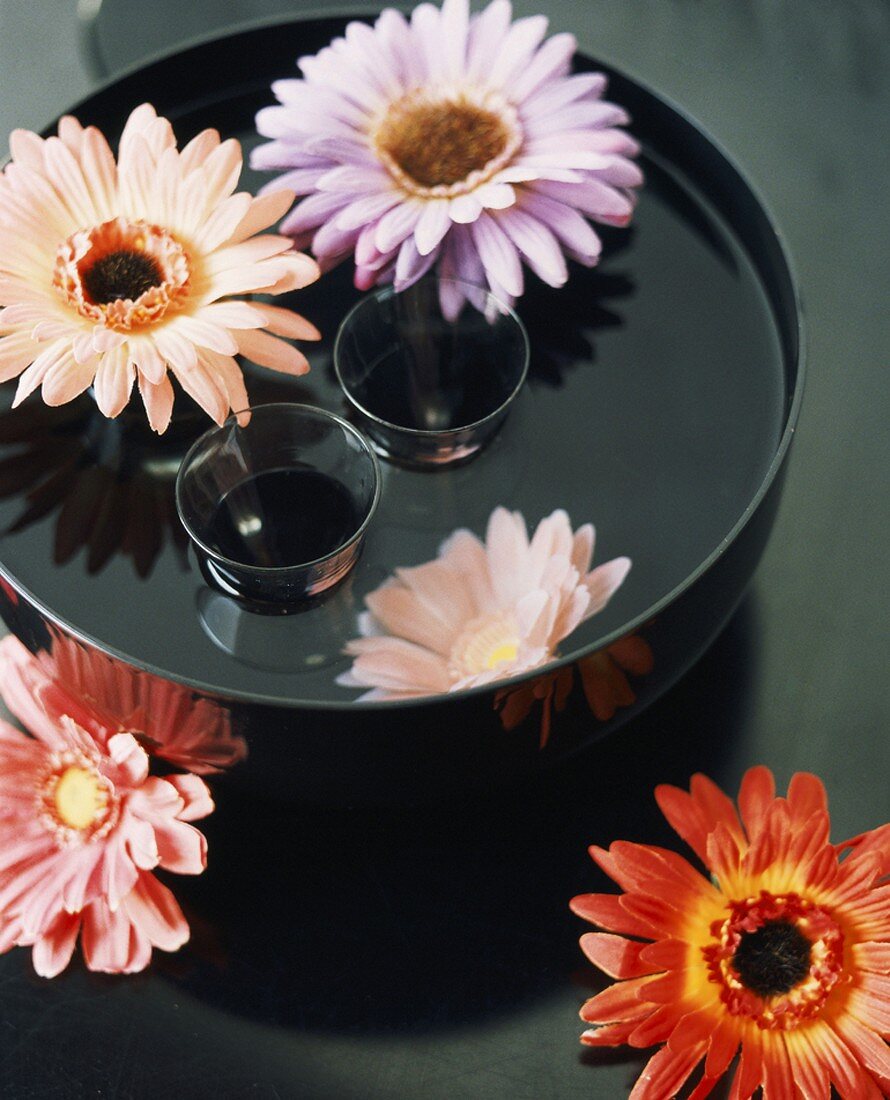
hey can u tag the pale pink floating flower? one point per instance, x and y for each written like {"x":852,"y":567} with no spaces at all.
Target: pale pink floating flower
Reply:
{"x":106,"y":697}
{"x":82,"y":826}
{"x":115,"y":273}
{"x":452,"y":140}
{"x":480,"y":612}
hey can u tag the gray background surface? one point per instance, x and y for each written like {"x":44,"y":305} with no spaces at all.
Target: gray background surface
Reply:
{"x":797,"y":91}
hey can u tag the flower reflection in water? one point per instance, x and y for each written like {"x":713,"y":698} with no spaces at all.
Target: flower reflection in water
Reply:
{"x":109,"y":482}
{"x":604,"y":677}
{"x":100,"y":694}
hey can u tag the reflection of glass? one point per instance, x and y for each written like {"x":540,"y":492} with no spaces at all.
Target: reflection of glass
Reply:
{"x":430,"y":376}
{"x":277,"y":502}
{"x":604,"y":681}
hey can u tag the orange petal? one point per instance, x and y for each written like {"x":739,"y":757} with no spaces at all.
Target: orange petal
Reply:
{"x":778,"y":1081}
{"x":757,"y":791}
{"x":617,"y":956}
{"x":607,"y":911}
{"x":666,"y":1073}
{"x":657,"y":1027}
{"x":621,"y":1001}
{"x":684,"y":815}
{"x":609,"y":1035}
{"x":806,"y":796}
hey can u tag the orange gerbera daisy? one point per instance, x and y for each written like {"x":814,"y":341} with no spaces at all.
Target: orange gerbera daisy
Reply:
{"x":784,"y":954}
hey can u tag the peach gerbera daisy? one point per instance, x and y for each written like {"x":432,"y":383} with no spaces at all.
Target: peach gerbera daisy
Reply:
{"x":106,"y":697}
{"x":118,"y":273}
{"x":782,"y":955}
{"x":82,"y":826}
{"x":481,"y":611}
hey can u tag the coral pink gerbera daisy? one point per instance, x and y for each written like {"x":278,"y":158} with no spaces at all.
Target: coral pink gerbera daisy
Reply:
{"x":106,"y":697}
{"x":783,"y":955}
{"x":82,"y":826}
{"x":115,"y":273}
{"x":481,"y":611}
{"x":452,"y":140}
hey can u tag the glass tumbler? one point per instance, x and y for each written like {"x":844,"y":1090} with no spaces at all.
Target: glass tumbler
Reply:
{"x":277,"y":502}
{"x":430,"y":372}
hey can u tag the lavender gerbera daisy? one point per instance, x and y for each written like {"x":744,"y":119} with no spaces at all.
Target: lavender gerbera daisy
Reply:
{"x":450,"y":140}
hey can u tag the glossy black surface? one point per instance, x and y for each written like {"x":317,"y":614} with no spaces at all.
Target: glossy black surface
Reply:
{"x":660,"y":428}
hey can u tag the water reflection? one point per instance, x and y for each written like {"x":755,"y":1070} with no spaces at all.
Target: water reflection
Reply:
{"x":107,"y":484}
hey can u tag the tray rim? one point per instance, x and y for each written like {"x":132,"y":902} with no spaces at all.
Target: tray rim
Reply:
{"x":797,"y":362}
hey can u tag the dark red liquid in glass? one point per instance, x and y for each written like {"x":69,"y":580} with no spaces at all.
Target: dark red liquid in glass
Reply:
{"x":283,"y":517}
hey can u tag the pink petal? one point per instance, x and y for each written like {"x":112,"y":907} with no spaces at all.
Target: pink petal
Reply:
{"x":506,"y":544}
{"x":498,"y":254}
{"x":284,"y":322}
{"x":432,"y":225}
{"x":516,"y":53}
{"x":397,"y":224}
{"x":537,"y":244}
{"x":153,"y":909}
{"x":17,"y":351}
{"x":549,"y":63}
{"x":111,"y":943}
{"x":264,"y":211}
{"x":398,"y":665}
{"x":486,"y":36}
{"x":604,"y":581}
{"x":158,"y":401}
{"x":269,"y":351}
{"x":195,"y":795}
{"x":114,"y":381}
{"x":411,"y":266}
{"x":53,"y":950}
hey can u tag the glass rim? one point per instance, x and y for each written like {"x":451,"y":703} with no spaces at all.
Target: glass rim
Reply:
{"x":281,"y":406}
{"x":430,"y":434}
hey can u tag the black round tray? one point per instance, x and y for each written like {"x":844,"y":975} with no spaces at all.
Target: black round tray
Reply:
{"x":662,"y":397}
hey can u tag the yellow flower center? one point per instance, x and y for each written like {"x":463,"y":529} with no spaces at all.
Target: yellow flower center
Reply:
{"x":438,"y":146}
{"x":75,"y":801}
{"x":80,"y":798}
{"x":122,"y":274}
{"x":507,"y":651}
{"x":489,"y":642}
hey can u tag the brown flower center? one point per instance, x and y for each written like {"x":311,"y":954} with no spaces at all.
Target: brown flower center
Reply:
{"x":777,"y":958}
{"x":122,"y":274}
{"x":774,"y":959}
{"x":447,"y":145}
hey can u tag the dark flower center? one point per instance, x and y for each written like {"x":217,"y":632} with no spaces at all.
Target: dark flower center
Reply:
{"x":121,"y":275}
{"x":774,"y":959}
{"x":440,"y":144}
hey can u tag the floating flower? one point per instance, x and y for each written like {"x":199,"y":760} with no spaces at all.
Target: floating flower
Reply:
{"x":481,"y":611}
{"x":452,"y":140}
{"x":603,"y":678}
{"x":784,"y":954}
{"x":106,"y":697}
{"x":82,"y":826}
{"x":115,"y":273}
